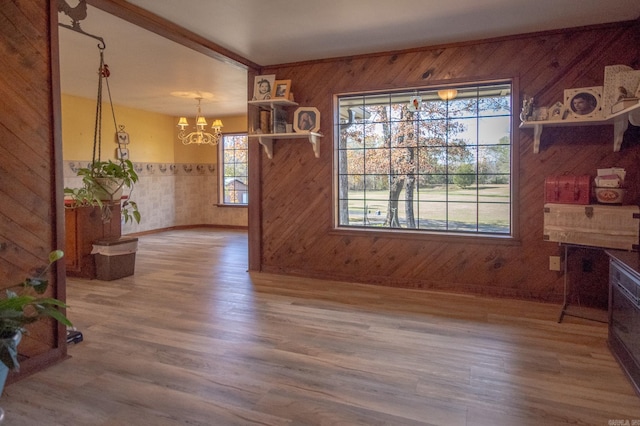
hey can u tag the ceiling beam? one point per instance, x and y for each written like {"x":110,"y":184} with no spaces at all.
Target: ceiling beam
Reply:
{"x":165,"y":28}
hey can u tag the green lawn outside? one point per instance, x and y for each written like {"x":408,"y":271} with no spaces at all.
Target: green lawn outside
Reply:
{"x":440,"y":207}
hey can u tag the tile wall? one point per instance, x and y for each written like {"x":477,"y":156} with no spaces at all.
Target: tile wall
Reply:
{"x":172,"y":194}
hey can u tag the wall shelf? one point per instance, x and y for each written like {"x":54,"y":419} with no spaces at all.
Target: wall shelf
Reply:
{"x":620,"y":121}
{"x":266,"y":140}
{"x":273,"y":103}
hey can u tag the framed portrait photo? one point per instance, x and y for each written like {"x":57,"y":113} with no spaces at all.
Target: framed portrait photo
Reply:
{"x":281,"y":89}
{"x":263,"y":87}
{"x":583,"y":103}
{"x":306,"y":119}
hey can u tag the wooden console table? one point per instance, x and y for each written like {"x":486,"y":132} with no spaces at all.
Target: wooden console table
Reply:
{"x":83,"y":226}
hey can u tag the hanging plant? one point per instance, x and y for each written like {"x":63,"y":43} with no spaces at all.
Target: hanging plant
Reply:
{"x":103,"y":182}
{"x":102,"y":185}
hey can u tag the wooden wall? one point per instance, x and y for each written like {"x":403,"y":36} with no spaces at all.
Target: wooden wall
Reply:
{"x":30,"y":182}
{"x":295,"y":224}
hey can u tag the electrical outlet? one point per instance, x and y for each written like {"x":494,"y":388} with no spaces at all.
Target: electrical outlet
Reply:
{"x":554,"y":263}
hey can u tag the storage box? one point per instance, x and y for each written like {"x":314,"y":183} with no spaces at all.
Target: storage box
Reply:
{"x":115,"y":258}
{"x":615,"y":227}
{"x":567,"y":189}
{"x":609,"y":195}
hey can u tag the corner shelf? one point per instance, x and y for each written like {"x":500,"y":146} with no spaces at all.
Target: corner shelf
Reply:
{"x":620,"y":121}
{"x":266,"y":140}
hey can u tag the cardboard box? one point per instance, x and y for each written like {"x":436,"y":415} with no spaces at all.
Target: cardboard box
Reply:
{"x":604,"y":226}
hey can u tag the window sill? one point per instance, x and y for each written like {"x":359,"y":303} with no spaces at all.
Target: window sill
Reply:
{"x":449,"y":237}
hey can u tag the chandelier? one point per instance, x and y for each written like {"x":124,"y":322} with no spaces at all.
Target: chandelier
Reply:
{"x":200,"y":137}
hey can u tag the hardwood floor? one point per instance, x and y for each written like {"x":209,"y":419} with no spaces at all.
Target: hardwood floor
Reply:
{"x":193,"y":339}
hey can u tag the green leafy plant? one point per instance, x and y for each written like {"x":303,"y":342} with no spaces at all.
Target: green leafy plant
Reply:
{"x":100,"y":181}
{"x":18,"y":310}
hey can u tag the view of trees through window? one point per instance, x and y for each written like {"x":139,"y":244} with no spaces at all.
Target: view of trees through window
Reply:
{"x":426,"y":160}
{"x":235,"y":169}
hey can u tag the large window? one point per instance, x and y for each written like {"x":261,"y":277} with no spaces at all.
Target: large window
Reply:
{"x":426,"y":160}
{"x":234,"y":170}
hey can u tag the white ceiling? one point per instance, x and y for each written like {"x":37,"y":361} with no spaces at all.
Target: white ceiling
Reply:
{"x":146,"y":68}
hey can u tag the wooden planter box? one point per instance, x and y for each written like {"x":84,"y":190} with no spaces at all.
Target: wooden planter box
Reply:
{"x":593,"y":225}
{"x":83,"y":226}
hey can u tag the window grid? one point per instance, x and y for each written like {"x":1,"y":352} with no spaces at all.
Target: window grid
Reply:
{"x":234,"y":182}
{"x":449,"y":161}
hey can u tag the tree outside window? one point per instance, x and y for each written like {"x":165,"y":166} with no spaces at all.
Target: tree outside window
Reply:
{"x":415,"y":161}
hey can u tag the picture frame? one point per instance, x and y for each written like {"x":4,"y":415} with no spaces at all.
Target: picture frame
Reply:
{"x":583,"y":103}
{"x":306,"y":119}
{"x":556,"y":111}
{"x":122,"y":138}
{"x":281,"y":89}
{"x":122,"y":153}
{"x":263,"y":87}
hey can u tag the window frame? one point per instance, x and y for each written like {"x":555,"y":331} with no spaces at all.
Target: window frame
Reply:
{"x":221,"y":171}
{"x":512,"y":236}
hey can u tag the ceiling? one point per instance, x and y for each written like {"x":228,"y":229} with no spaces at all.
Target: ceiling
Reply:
{"x":155,"y":74}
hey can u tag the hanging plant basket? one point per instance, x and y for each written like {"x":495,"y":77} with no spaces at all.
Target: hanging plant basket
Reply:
{"x":104,"y":181}
{"x":109,"y":189}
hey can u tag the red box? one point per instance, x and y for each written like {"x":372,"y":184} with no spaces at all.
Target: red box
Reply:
{"x":567,"y":189}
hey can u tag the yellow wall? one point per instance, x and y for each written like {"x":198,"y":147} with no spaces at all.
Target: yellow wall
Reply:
{"x":153,"y":136}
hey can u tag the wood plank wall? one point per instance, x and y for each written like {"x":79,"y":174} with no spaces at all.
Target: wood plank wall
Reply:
{"x":296,"y":201}
{"x":30,"y":185}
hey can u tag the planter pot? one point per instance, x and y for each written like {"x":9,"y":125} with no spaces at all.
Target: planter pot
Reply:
{"x":9,"y":344}
{"x":4,"y":372}
{"x":109,"y":189}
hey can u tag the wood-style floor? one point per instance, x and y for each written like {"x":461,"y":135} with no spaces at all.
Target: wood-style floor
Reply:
{"x":193,"y":339}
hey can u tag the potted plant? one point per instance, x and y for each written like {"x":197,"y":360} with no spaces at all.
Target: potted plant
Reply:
{"x":104,"y":181}
{"x":20,"y":308}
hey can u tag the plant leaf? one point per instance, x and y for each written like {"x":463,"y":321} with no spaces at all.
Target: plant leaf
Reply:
{"x":55,"y":255}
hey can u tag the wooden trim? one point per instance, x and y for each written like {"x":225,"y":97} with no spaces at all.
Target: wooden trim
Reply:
{"x":179,"y":227}
{"x":57,"y":181}
{"x":233,"y":206}
{"x":255,"y":189}
{"x":38,"y":363}
{"x":165,"y":28}
{"x":516,"y":101}
{"x":445,"y":237}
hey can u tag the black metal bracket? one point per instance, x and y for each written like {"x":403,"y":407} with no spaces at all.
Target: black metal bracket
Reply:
{"x":77,"y":14}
